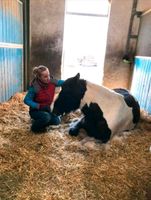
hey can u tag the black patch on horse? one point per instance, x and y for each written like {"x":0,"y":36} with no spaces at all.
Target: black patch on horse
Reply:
{"x":93,"y":123}
{"x":131,"y":102}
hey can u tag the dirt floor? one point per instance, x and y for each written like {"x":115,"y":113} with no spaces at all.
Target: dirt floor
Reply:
{"x":56,"y":166}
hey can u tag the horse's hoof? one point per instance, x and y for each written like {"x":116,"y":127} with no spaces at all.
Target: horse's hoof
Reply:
{"x":73,"y":132}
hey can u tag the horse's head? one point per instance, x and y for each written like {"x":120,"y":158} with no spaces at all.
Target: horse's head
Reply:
{"x":73,"y":90}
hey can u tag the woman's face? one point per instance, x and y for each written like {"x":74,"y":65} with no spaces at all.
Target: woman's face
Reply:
{"x":45,"y":76}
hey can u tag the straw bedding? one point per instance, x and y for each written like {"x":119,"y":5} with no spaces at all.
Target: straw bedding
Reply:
{"x":56,"y":166}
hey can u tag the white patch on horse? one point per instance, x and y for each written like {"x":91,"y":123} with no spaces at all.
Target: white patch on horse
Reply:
{"x":116,"y":112}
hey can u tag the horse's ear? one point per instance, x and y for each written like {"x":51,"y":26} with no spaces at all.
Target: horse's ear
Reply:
{"x":78,"y":76}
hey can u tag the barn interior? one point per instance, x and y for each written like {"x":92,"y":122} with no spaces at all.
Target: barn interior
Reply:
{"x":117,"y":54}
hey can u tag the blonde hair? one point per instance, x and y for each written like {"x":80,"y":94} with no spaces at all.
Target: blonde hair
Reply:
{"x":38,"y":70}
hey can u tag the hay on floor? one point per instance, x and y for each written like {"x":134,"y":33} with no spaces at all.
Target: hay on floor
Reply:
{"x":56,"y":166}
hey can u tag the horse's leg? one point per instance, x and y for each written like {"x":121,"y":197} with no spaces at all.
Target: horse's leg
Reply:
{"x":74,"y":129}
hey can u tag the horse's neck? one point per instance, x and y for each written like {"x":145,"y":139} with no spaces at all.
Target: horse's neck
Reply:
{"x":100,"y":94}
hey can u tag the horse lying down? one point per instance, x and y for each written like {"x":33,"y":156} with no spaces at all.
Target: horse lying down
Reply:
{"x":106,"y":112}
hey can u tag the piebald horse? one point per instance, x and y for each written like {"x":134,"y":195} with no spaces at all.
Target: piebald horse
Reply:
{"x":106,"y":112}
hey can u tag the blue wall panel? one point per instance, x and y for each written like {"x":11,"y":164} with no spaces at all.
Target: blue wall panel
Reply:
{"x":11,"y":48}
{"x":141,"y":83}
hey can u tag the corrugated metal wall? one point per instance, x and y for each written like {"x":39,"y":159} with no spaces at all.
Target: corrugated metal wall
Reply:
{"x":141,"y":84}
{"x":11,"y":48}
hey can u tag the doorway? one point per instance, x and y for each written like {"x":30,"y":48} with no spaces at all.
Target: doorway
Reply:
{"x":85,"y":34}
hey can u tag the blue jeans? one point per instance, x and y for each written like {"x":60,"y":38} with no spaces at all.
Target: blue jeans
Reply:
{"x":42,"y":119}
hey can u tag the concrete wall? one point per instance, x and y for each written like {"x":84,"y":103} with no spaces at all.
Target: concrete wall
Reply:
{"x":144,"y":41}
{"x":46,"y":34}
{"x":117,"y":73}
